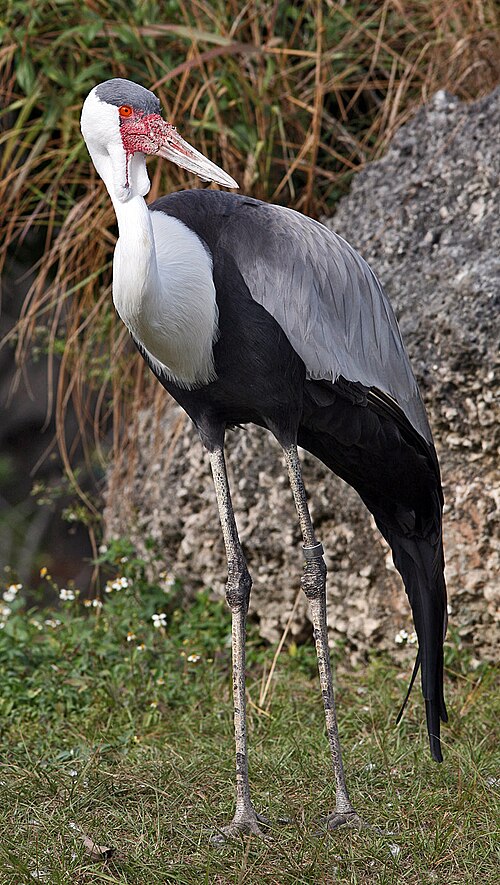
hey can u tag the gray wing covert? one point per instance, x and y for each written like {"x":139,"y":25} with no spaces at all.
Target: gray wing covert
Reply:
{"x":328,"y":302}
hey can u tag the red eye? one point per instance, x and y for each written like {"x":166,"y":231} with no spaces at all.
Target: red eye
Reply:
{"x":125,"y":111}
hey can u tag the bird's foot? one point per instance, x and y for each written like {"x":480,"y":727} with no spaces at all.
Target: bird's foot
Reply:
{"x":346,"y":819}
{"x":340,"y":819}
{"x":246,"y":823}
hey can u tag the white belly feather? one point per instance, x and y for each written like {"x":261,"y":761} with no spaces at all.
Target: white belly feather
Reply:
{"x":169,"y":305}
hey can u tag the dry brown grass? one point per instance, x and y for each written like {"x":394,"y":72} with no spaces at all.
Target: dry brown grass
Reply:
{"x":290,"y":98}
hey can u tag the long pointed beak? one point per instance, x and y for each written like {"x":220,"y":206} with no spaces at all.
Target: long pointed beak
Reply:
{"x":178,"y":151}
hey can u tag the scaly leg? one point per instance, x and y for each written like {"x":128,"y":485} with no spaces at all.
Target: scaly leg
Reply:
{"x":314,"y":586}
{"x":238,"y":588}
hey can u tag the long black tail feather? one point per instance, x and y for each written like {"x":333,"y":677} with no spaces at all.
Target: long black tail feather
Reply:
{"x":420,"y":564}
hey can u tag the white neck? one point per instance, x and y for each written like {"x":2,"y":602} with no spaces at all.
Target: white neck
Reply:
{"x":163,"y":287}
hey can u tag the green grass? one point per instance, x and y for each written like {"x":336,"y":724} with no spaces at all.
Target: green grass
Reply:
{"x":135,"y":747}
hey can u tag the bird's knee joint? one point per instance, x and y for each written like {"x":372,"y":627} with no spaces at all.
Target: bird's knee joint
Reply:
{"x":238,"y":586}
{"x":313,"y":580}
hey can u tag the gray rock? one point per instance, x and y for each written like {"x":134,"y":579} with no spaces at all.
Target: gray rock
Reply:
{"x":426,"y":217}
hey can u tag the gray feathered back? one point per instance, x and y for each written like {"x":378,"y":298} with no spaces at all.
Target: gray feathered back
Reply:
{"x":328,"y":302}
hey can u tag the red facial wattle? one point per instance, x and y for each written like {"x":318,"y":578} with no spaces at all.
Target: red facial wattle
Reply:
{"x":143,"y":134}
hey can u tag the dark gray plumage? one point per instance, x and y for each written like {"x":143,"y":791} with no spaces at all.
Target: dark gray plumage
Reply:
{"x":120,"y":92}
{"x":337,"y":318}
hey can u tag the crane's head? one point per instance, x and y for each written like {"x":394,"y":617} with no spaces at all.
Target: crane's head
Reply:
{"x":121,"y":122}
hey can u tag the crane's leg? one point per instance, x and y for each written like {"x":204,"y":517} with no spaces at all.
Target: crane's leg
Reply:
{"x":238,"y":588}
{"x":314,"y":586}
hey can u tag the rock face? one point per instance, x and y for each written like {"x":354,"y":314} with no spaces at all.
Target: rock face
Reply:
{"x":426,"y":217}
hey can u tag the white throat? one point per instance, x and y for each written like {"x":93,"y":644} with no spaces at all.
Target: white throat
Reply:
{"x":163,"y":286}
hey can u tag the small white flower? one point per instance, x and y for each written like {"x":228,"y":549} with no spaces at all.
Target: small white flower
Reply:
{"x":2,"y":625}
{"x":73,"y":772}
{"x":103,"y":548}
{"x":193,"y":659}
{"x":11,"y":592}
{"x":154,"y":704}
{"x":52,"y":622}
{"x":66,"y":595}
{"x":124,"y":559}
{"x":141,"y":647}
{"x":131,"y":636}
{"x":159,"y":620}
{"x":5,"y":611}
{"x":96,"y":603}
{"x":117,"y":584}
{"x":401,"y":637}
{"x":412,"y":638}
